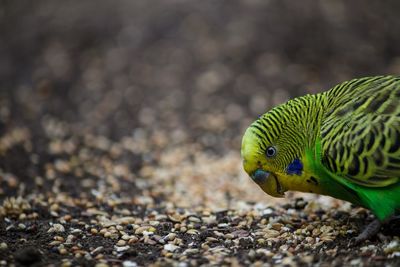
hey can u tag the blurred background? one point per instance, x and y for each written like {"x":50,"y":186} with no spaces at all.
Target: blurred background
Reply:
{"x":171,"y":84}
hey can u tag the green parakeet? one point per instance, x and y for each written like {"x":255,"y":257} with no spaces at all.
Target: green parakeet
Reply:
{"x":343,"y":143}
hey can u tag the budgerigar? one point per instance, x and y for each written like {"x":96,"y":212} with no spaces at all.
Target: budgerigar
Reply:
{"x":344,"y":143}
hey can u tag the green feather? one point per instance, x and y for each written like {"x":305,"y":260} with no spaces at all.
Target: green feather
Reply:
{"x":383,"y":202}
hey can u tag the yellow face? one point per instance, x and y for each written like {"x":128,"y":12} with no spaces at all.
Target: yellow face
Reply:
{"x":260,"y":167}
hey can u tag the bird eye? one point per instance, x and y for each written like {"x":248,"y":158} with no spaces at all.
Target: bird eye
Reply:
{"x":271,"y":151}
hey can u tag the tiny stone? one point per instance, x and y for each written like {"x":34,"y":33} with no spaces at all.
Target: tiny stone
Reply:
{"x":71,"y":237}
{"x":261,"y":241}
{"x":3,"y":246}
{"x":121,"y":249}
{"x":169,"y":255}
{"x":191,"y":251}
{"x":54,"y":207}
{"x":126,"y":220}
{"x":133,"y":239}
{"x":194,"y":219}
{"x":99,"y":256}
{"x":252,"y":254}
{"x":265,"y":252}
{"x":271,"y":233}
{"x":192,"y":232}
{"x":97,"y":250}
{"x":219,"y":234}
{"x":175,"y":218}
{"x":211,"y":239}
{"x":170,"y":236}
{"x":170,"y":247}
{"x":103,"y":231}
{"x":56,"y":228}
{"x":316,"y":232}
{"x":129,"y":264}
{"x":126,"y":237}
{"x":141,"y":229}
{"x":229,"y":236}
{"x":107,"y":234}
{"x":277,"y":226}
{"x":62,"y":251}
{"x":393,"y":246}
{"x":149,"y":241}
{"x":205,"y":246}
{"x":121,"y":243}
{"x":154,"y":223}
{"x":66,"y":264}
{"x":54,"y":243}
{"x":59,"y":238}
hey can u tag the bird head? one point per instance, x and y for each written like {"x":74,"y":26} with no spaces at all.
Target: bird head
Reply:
{"x":270,"y":156}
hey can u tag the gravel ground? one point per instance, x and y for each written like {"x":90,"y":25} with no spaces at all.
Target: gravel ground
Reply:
{"x":120,"y":128}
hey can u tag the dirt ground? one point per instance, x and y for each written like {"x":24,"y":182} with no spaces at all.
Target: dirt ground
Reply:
{"x":121,"y":123}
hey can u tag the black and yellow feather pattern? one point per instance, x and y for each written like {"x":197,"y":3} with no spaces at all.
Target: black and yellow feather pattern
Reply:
{"x":290,"y":121}
{"x":360,"y":130}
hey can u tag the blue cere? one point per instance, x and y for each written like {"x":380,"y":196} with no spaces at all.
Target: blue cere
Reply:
{"x":296,"y":167}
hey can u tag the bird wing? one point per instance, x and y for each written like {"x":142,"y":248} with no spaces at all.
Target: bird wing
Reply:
{"x":360,"y":132}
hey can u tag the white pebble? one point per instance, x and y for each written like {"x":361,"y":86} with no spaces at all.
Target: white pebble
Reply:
{"x":129,"y":264}
{"x":170,"y":247}
{"x":56,"y":228}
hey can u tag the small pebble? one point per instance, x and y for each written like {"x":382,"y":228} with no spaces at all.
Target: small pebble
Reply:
{"x":170,"y":247}
{"x":56,"y":228}
{"x":133,"y":240}
{"x":121,"y":243}
{"x":3,"y":246}
{"x":129,"y":264}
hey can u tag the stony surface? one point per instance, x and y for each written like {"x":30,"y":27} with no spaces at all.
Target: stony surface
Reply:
{"x":120,"y":129}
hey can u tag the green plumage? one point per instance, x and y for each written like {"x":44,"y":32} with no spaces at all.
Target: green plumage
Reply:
{"x":347,"y":139}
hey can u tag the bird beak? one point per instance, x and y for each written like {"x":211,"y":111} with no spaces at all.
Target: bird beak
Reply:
{"x":260,"y":176}
{"x":268,"y":182}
